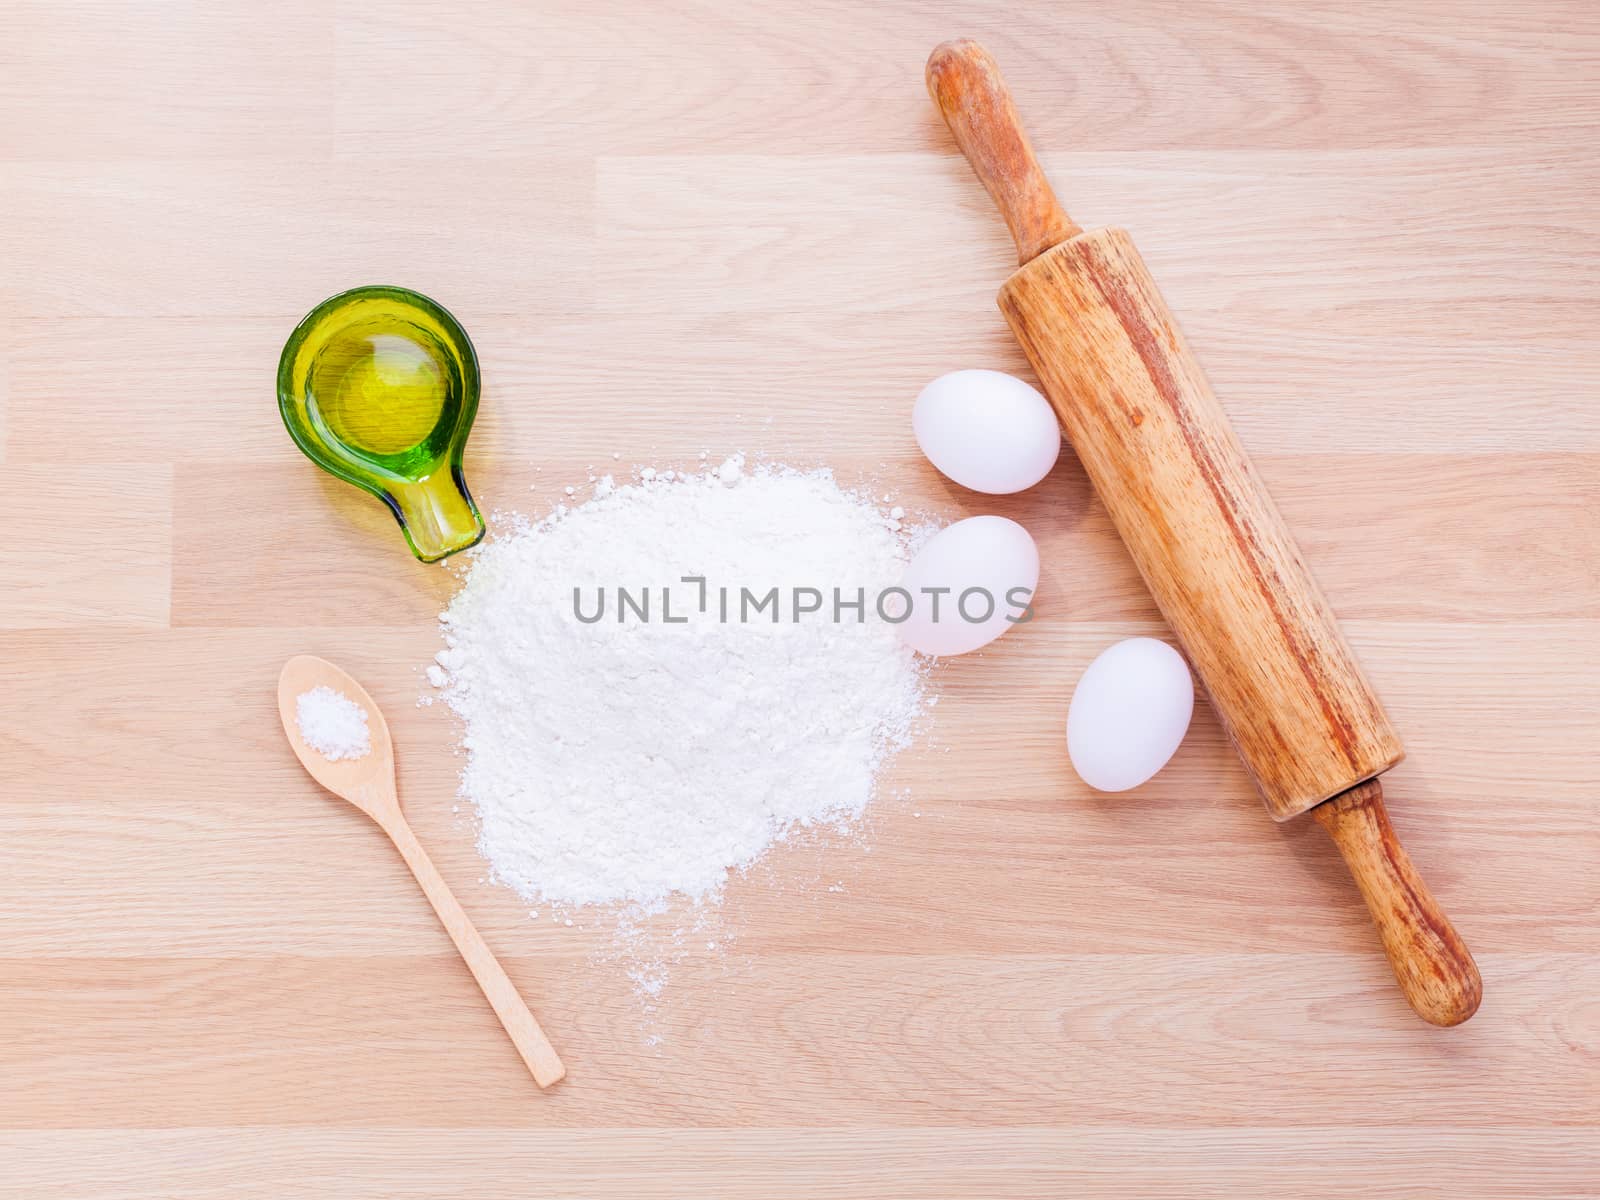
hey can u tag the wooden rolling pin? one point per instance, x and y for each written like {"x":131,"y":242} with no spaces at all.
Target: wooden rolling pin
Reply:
{"x":1211,"y":546}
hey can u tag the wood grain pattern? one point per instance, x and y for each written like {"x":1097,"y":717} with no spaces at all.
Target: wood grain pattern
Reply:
{"x":703,"y":226}
{"x":662,"y":1164}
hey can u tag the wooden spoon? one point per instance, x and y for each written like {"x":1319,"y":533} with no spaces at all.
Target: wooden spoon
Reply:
{"x":368,"y":783}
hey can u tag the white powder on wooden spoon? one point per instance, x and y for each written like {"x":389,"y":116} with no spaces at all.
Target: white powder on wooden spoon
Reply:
{"x":631,"y":760}
{"x":332,"y":724}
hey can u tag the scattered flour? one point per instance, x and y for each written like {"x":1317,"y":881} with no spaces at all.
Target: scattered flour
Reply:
{"x":332,"y":724}
{"x":626,"y":761}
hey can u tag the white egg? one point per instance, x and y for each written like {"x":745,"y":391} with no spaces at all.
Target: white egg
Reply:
{"x":1129,"y":714}
{"x":987,"y":430}
{"x":967,"y":585}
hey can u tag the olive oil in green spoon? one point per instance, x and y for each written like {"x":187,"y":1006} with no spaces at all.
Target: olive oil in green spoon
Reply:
{"x":379,"y":386}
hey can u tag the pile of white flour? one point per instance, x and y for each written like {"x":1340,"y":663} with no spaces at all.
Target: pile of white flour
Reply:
{"x":626,"y":761}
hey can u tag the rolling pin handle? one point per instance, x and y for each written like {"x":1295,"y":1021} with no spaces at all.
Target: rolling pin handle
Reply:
{"x":1431,"y":962}
{"x":965,"y":83}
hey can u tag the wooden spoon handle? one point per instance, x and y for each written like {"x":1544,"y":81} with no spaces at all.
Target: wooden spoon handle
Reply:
{"x":965,"y":83}
{"x":501,"y":993}
{"x":1432,"y":963}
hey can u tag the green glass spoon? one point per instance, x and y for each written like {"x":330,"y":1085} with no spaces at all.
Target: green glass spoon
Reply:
{"x":378,"y":386}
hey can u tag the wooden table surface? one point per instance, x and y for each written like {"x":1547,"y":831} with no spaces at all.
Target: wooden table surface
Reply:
{"x":712,"y":225}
